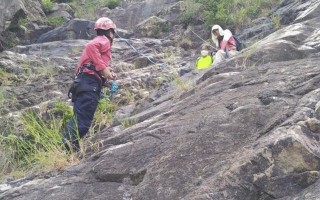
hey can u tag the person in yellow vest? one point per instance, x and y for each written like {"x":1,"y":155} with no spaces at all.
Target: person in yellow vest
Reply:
{"x":205,"y":60}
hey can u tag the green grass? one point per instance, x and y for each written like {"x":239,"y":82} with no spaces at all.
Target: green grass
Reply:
{"x":228,"y":13}
{"x":34,"y":144}
{"x":103,"y":116}
{"x":62,"y":111}
{"x":36,"y":148}
{"x":181,"y":84}
{"x":190,"y":11}
{"x":47,"y":5}
{"x":4,"y":77}
{"x":112,"y":4}
{"x":126,"y":123}
{"x":276,"y":19}
{"x":56,"y":21}
{"x":22,"y":22}
{"x":1,"y":96}
{"x":88,"y":8}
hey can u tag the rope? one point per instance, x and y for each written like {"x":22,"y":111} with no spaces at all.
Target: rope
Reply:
{"x":114,"y":87}
{"x":139,"y":53}
{"x":203,"y":40}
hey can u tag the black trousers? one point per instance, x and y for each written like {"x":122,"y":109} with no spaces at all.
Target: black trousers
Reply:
{"x":84,"y":107}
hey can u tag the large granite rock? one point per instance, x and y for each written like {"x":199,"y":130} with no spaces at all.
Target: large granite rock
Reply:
{"x":154,"y":27}
{"x":245,"y":129}
{"x":13,"y":13}
{"x":31,"y":8}
{"x":128,"y":17}
{"x":73,"y":29}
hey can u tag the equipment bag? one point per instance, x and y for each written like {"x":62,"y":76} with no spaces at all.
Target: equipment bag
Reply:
{"x":239,"y":45}
{"x":77,"y":87}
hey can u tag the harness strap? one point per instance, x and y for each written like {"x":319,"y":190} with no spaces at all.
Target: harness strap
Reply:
{"x":91,"y":67}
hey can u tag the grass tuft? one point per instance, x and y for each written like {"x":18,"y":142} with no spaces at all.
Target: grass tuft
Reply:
{"x":38,"y":148}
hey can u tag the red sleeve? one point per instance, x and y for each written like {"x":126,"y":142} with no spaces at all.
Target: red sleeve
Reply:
{"x":93,"y":52}
{"x":223,"y":45}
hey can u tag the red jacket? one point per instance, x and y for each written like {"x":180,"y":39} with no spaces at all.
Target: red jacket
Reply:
{"x":98,"y":52}
{"x":229,"y":44}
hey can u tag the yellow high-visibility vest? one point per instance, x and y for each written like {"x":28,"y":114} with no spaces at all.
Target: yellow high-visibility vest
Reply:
{"x":204,"y":62}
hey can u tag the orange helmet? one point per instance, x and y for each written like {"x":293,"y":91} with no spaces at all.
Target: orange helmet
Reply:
{"x":104,"y":23}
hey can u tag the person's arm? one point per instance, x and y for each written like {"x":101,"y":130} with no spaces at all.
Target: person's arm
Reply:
{"x":226,"y":37}
{"x":108,"y":73}
{"x":93,"y":52}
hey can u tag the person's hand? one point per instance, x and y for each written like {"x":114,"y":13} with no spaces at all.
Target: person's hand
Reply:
{"x":114,"y":75}
{"x":109,"y":73}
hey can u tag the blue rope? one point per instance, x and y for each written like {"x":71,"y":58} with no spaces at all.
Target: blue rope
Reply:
{"x":114,"y":87}
{"x":113,"y":90}
{"x":163,"y":65}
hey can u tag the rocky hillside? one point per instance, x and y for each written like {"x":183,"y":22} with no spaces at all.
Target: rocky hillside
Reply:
{"x":246,"y":129}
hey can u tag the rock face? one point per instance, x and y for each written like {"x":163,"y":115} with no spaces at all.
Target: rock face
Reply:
{"x":9,"y":8}
{"x":11,"y":16}
{"x":73,"y":29}
{"x":129,"y":16}
{"x":153,"y":27}
{"x":248,"y":128}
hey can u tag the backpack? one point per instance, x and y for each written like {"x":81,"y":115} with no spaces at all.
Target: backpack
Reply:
{"x":239,"y":45}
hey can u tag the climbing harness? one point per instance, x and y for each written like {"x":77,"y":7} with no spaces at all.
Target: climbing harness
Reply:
{"x":91,"y":67}
{"x":163,"y":65}
{"x":77,"y":87}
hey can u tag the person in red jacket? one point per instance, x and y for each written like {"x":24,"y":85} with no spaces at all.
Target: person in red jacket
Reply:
{"x":226,"y":43}
{"x":91,"y":74}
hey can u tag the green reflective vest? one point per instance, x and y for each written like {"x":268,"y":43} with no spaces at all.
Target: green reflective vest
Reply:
{"x":204,"y":62}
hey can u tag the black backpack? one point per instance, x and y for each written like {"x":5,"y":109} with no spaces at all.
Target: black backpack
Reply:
{"x":239,"y":45}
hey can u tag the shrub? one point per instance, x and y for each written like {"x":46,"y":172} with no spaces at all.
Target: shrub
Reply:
{"x":112,"y":4}
{"x":189,"y":12}
{"x":276,"y":19}
{"x":126,"y":123}
{"x":38,"y":148}
{"x":47,"y":5}
{"x":89,"y":9}
{"x":235,"y":13}
{"x":1,"y":97}
{"x":4,"y":77}
{"x":103,"y":116}
{"x":62,"y":111}
{"x":56,"y":21}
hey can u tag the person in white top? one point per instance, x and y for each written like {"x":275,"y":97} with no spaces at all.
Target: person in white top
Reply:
{"x":226,"y":43}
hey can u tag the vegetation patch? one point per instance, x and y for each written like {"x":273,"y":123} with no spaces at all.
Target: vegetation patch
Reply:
{"x":4,"y":77}
{"x":126,"y":123}
{"x":56,"y":21}
{"x":88,"y":8}
{"x":103,"y":116}
{"x":1,"y":96}
{"x":34,"y":143}
{"x":231,"y":13}
{"x":47,"y":5}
